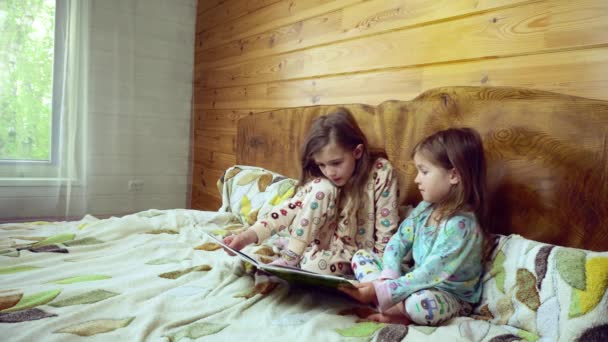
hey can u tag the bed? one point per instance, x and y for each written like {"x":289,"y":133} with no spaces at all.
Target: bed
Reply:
{"x":154,"y":275}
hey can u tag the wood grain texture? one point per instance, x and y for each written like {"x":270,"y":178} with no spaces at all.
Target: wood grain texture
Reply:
{"x":547,"y":153}
{"x":307,"y":53}
{"x":360,"y":19}
{"x":228,"y":11}
{"x":269,"y":17}
{"x":530,"y":29}
{"x":578,"y":73}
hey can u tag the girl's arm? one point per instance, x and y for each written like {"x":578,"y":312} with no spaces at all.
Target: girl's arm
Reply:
{"x":455,"y":256}
{"x":397,"y":248}
{"x":279,"y":218}
{"x":386,"y":204}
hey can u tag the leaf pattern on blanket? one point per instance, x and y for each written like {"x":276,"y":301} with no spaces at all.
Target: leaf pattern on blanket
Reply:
{"x":505,"y":338}
{"x":196,"y":330}
{"x":17,"y":269}
{"x":286,"y":190}
{"x":252,"y":216}
{"x":48,"y":249}
{"x":263,"y":182}
{"x":55,"y":239}
{"x":249,"y":177}
{"x":24,"y":316}
{"x":363,"y":329}
{"x":16,"y":228}
{"x":220,"y":233}
{"x":245,"y":206}
{"x":505,"y":309}
{"x":484,"y":313}
{"x":179,"y":273}
{"x":265,"y":250}
{"x":208,"y":246}
{"x":10,"y":300}
{"x":83,"y":242}
{"x":231,"y":173}
{"x":29,"y":238}
{"x":583,"y":301}
{"x":9,"y":253}
{"x":498,"y":271}
{"x":392,"y":332}
{"x":540,"y":264}
{"x":528,"y":336}
{"x":28,"y":302}
{"x":95,"y":327}
{"x":163,"y":261}
{"x":162,"y":231}
{"x":85,"y":298}
{"x":571,"y":266}
{"x":526,"y":291}
{"x":80,"y":279}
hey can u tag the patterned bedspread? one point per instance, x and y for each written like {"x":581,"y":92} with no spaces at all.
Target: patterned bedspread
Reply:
{"x":150,"y":276}
{"x":153,"y":276}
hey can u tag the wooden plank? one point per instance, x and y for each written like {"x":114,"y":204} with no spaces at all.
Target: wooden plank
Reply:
{"x":222,"y":120}
{"x":579,"y":72}
{"x":531,"y":29}
{"x":213,"y":159}
{"x":206,"y":178}
{"x":204,"y":184}
{"x":207,"y":205}
{"x":203,"y":200}
{"x":205,"y":5}
{"x":228,"y":11}
{"x":215,"y":141}
{"x":360,"y":19}
{"x":276,"y":15}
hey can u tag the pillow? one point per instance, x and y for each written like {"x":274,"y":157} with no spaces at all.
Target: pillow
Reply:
{"x":553,"y":292}
{"x":250,"y":192}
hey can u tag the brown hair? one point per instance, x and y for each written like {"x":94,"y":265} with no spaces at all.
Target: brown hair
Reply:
{"x":341,"y":128}
{"x":460,"y":149}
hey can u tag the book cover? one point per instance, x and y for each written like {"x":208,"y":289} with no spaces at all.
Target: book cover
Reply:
{"x":291,"y":274}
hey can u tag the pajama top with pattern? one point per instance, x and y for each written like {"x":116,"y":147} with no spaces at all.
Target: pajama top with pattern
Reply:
{"x":447,"y":257}
{"x":370,"y":227}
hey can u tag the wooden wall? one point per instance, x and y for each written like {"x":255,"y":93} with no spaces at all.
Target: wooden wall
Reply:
{"x":256,"y":55}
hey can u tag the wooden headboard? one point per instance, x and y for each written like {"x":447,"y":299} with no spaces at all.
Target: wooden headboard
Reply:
{"x":547,"y":153}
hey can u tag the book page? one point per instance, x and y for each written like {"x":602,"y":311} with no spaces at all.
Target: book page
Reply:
{"x":291,"y":274}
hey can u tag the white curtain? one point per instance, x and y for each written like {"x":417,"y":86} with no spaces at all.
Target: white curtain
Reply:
{"x":72,"y":99}
{"x":125,"y":104}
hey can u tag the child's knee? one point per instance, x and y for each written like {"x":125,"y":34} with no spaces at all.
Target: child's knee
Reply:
{"x":365,"y":265}
{"x":425,"y":308}
{"x":420,"y":309}
{"x":324,"y":265}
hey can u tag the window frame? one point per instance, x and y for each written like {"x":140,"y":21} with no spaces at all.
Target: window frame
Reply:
{"x":20,"y":172}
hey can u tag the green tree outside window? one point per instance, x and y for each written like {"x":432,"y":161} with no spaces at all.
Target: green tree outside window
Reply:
{"x":27,"y":30}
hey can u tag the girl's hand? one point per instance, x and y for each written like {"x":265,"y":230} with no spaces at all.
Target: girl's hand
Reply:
{"x":240,"y":240}
{"x":363,"y":292}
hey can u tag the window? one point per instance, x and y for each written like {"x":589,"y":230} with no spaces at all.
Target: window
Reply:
{"x":30,"y":79}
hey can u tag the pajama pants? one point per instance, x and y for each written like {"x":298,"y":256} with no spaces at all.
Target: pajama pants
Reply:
{"x":425,"y":307}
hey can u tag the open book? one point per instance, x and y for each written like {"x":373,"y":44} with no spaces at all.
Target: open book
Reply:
{"x":291,"y":274}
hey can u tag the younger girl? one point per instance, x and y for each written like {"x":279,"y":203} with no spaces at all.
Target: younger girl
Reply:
{"x":347,"y":200}
{"x":443,"y":234}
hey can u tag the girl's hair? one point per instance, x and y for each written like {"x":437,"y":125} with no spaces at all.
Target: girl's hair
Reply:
{"x":341,"y":128}
{"x":460,"y":149}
